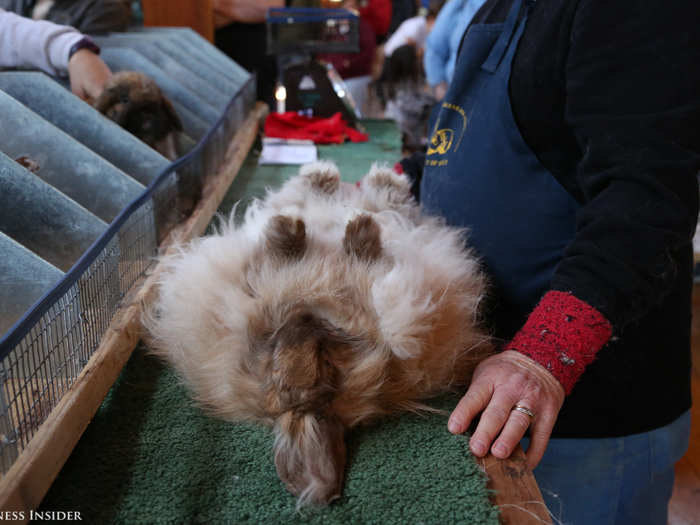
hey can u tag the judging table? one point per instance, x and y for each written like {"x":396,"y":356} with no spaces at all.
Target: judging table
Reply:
{"x":150,"y":455}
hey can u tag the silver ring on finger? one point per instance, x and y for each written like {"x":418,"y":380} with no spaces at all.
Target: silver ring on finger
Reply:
{"x":525,"y":411}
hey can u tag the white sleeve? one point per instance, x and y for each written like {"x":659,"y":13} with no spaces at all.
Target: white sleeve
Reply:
{"x":35,"y":43}
{"x":408,"y":30}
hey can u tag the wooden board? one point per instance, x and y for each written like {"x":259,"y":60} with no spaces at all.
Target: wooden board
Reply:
{"x":684,"y":507}
{"x":198,"y":15}
{"x":30,"y":477}
{"x":515,"y":491}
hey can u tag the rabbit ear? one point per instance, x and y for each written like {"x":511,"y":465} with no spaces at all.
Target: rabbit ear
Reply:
{"x":323,"y":176}
{"x":286,"y":237}
{"x":106,"y":99}
{"x":363,"y":238}
{"x":310,"y":455}
{"x":173,"y":118}
{"x":115,"y":102}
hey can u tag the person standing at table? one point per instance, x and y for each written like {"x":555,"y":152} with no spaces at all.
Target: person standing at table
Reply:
{"x":442,"y":44}
{"x":568,"y":143}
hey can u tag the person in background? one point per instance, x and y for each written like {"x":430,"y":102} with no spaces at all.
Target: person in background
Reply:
{"x":414,"y":30}
{"x":87,"y":16}
{"x":568,"y":144}
{"x":401,"y":10}
{"x":377,"y":13}
{"x":442,"y":44}
{"x":55,"y":49}
{"x":408,"y":103}
{"x":400,"y":88}
{"x":241,"y":35}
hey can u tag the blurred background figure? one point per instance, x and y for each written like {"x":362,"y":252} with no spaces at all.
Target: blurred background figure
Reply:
{"x":414,"y":30}
{"x":377,"y":13}
{"x":87,"y":16}
{"x":241,"y":35}
{"x":401,"y":10}
{"x":401,"y":88}
{"x":408,"y":102}
{"x":442,"y":44}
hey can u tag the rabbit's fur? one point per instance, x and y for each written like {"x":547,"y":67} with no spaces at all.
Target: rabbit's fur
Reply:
{"x":135,"y":102}
{"x":330,"y":305}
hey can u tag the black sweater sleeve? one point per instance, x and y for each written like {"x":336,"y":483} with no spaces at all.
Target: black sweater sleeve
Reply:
{"x":632,"y":103}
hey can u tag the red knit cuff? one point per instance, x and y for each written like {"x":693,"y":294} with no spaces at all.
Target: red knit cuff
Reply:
{"x":563,"y":334}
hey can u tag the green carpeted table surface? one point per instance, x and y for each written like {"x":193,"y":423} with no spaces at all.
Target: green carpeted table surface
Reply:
{"x":151,"y":456}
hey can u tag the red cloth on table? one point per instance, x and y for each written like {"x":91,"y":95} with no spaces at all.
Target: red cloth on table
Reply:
{"x":331,"y":130}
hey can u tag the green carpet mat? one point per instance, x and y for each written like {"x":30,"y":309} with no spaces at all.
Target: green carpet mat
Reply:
{"x":150,"y":456}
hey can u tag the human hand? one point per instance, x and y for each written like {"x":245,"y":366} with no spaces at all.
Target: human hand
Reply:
{"x":246,"y":11}
{"x":88,"y":74}
{"x":501,"y":382}
{"x":440,"y":90}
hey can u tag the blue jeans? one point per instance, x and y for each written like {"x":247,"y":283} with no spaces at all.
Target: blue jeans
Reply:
{"x":621,"y":481}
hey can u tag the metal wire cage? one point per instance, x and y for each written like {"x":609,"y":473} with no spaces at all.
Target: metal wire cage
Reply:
{"x":77,"y":235}
{"x":312,"y":30}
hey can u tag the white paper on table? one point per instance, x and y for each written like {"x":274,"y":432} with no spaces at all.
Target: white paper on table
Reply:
{"x":287,"y":151}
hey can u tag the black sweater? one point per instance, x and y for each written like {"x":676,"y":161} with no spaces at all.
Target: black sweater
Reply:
{"x":607,"y":95}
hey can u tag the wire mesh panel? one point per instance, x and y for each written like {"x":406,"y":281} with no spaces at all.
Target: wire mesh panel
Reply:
{"x":137,"y":245}
{"x":38,"y":371}
{"x":51,"y":322}
{"x":100,"y":293}
{"x":44,"y":364}
{"x":310,"y":29}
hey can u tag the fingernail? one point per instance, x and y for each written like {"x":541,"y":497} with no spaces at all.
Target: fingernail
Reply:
{"x":499,"y":450}
{"x":478,"y":447}
{"x":453,"y":426}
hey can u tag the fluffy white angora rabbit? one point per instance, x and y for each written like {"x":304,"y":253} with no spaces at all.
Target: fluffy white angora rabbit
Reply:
{"x":328,"y":306}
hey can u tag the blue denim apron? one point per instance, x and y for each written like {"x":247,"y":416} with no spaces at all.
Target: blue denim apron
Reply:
{"x":480,"y":174}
